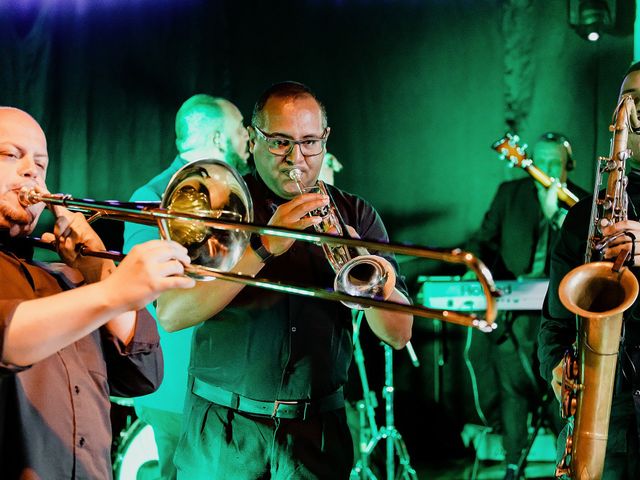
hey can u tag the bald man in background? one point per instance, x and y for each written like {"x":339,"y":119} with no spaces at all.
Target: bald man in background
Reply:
{"x":206,"y":127}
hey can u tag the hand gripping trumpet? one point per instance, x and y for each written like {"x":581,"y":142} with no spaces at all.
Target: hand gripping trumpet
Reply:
{"x":598,"y":293}
{"x":207,"y":208}
{"x":362,"y":275}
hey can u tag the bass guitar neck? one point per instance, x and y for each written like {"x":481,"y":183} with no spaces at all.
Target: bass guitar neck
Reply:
{"x":509,"y":149}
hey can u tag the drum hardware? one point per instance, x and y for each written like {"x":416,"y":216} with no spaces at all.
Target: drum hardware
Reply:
{"x":370,"y":435}
{"x":134,"y":449}
{"x":439,"y":358}
{"x":137,"y":451}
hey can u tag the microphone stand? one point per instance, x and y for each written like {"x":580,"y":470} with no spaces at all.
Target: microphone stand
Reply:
{"x":370,"y":434}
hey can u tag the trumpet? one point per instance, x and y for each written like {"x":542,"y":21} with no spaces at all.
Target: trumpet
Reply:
{"x":207,"y":208}
{"x":364,"y":275}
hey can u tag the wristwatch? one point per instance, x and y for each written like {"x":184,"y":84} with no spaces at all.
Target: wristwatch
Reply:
{"x":259,"y":248}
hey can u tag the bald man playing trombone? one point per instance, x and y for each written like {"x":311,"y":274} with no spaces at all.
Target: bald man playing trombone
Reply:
{"x":64,"y":350}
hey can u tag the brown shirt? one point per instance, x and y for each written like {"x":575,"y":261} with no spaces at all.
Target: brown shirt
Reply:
{"x":54,"y":415}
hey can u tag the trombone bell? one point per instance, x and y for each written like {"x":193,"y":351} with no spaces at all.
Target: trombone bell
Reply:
{"x":208,"y":188}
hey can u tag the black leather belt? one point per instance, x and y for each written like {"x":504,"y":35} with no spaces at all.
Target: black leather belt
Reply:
{"x":300,"y":409}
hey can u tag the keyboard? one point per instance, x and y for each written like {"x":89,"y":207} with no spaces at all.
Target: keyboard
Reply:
{"x":452,"y":293}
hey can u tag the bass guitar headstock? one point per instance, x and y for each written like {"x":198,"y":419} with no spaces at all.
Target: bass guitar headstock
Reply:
{"x":513,"y":153}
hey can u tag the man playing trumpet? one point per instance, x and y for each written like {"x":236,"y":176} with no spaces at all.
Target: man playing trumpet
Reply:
{"x":267,"y":368}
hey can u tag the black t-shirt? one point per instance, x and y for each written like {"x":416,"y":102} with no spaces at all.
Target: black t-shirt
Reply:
{"x":270,"y":345}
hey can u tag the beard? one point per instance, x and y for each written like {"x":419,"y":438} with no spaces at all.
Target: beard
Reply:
{"x":236,"y":160}
{"x":17,"y":219}
{"x":13,"y":214}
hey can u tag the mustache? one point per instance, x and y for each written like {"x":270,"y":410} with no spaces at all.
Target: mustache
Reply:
{"x":20,"y":216}
{"x":16,"y":187}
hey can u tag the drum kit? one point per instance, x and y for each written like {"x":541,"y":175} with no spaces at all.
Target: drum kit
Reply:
{"x":134,"y":452}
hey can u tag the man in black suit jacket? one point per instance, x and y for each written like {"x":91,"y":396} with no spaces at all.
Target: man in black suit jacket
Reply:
{"x":514,"y":240}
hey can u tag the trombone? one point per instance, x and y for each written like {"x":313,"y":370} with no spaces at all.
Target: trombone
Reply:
{"x":207,"y":208}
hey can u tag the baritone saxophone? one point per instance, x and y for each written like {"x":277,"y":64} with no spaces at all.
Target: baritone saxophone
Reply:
{"x":598,"y":293}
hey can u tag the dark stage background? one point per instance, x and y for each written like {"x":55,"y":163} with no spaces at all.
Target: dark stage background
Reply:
{"x":416,"y":92}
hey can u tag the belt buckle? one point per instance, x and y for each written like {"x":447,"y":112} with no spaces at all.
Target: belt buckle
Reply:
{"x":277,"y":403}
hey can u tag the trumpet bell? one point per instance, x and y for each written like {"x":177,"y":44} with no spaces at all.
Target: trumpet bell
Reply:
{"x":208,"y":188}
{"x":368,"y":276}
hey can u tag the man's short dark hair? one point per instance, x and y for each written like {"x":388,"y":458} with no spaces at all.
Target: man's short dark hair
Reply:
{"x":286,"y":89}
{"x":633,"y":68}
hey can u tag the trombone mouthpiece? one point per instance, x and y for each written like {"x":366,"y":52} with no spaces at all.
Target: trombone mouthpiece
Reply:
{"x":26,"y":197}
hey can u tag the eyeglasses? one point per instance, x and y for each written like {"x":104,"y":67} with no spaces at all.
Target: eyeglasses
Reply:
{"x":309,"y":147}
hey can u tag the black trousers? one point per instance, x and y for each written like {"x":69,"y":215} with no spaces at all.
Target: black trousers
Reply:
{"x":220,"y":443}
{"x":623,"y":446}
{"x":507,"y":381}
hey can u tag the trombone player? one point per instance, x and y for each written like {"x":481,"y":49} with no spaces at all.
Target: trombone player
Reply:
{"x":267,"y":368}
{"x":558,"y":329}
{"x":64,"y":350}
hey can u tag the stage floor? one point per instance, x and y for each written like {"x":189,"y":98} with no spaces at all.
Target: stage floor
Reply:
{"x":464,"y":470}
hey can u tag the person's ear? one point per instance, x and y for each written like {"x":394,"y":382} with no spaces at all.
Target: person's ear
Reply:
{"x":218,"y":140}
{"x":252,"y":138}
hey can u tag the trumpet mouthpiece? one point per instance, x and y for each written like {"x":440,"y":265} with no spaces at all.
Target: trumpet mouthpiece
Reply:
{"x":295,"y":174}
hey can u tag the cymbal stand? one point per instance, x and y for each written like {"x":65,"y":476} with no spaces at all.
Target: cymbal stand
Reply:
{"x":394,"y":443}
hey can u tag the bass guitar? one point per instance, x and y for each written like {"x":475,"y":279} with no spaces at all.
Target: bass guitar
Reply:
{"x":517,"y":156}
